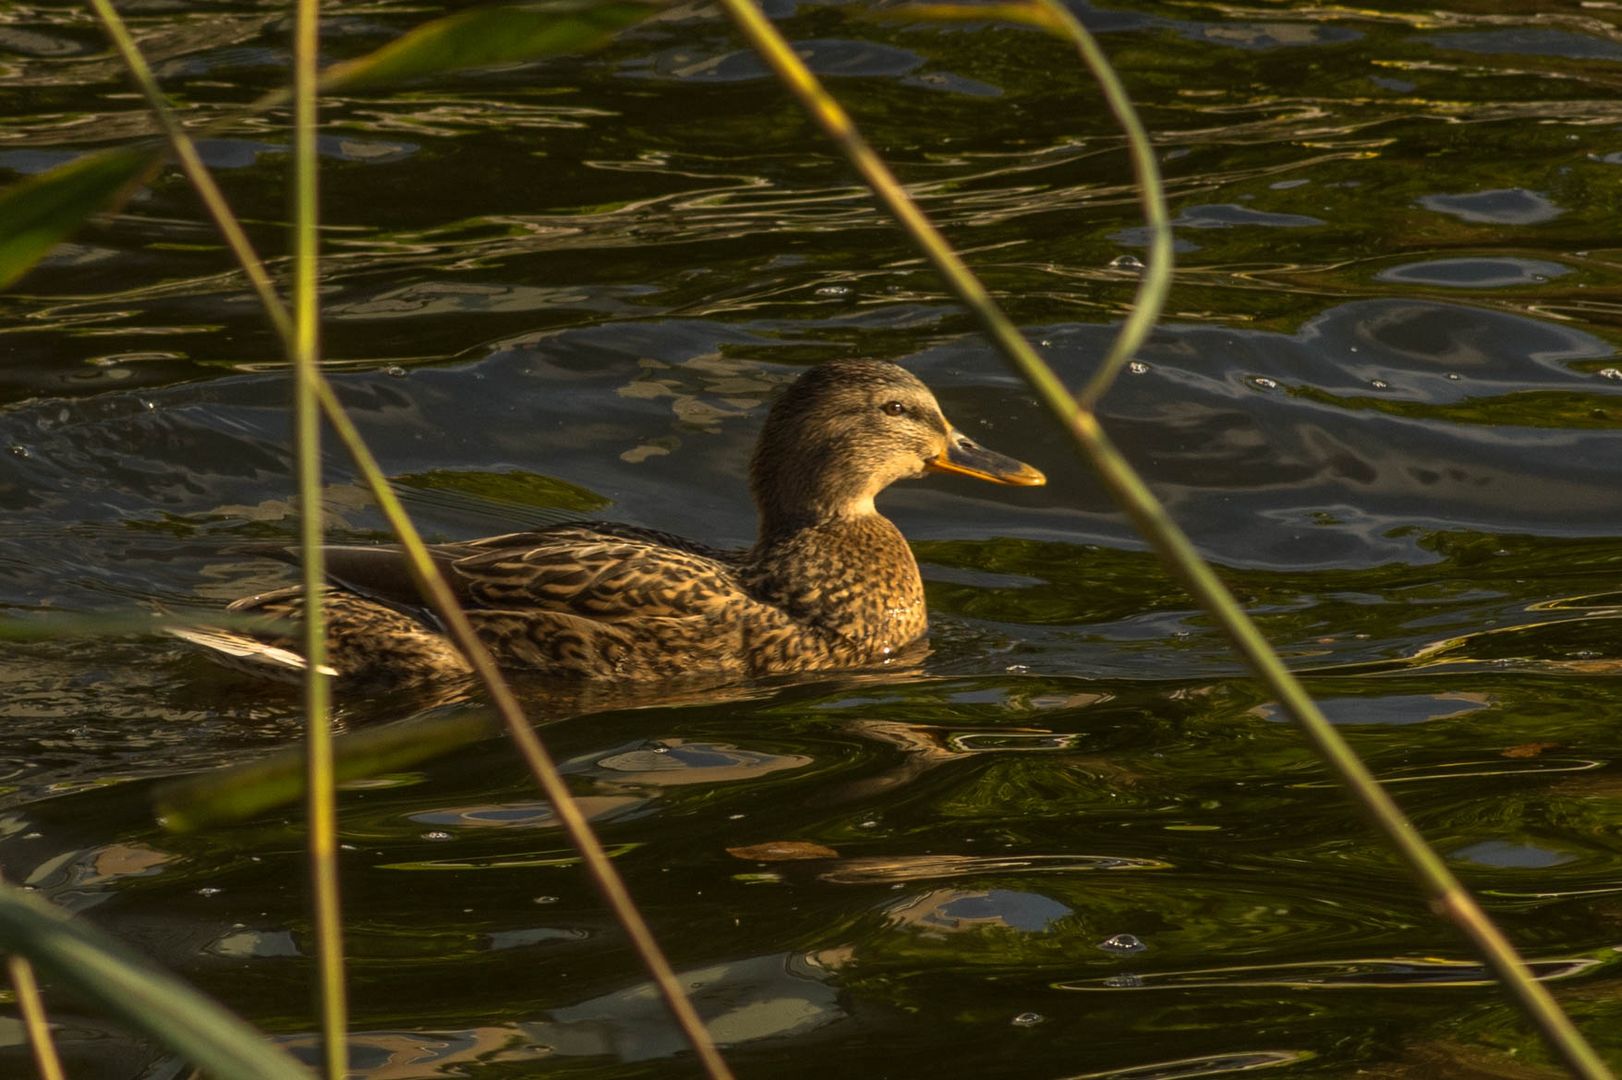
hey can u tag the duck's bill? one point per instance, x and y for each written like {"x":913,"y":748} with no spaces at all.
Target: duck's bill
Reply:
{"x":966,"y":457}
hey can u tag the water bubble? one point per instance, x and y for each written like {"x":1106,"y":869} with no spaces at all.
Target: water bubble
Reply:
{"x":546,"y":899}
{"x":1027,"y":1019}
{"x":1127,"y":262}
{"x":1611,"y":373}
{"x":209,"y":890}
{"x":1454,"y":376}
{"x":1262,"y":382}
{"x":436,"y":834}
{"x":1124,"y":982}
{"x":1138,"y":367}
{"x":1046,"y":343}
{"x":18,"y":450}
{"x":1017,"y":669}
{"x":1379,"y":384}
{"x":395,"y":371}
{"x":834,"y":290}
{"x":1122,"y":943}
{"x":32,"y":835}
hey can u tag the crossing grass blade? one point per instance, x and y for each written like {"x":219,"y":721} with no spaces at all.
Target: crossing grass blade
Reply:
{"x":488,"y":37}
{"x":100,"y":971}
{"x":41,"y":211}
{"x":237,"y":792}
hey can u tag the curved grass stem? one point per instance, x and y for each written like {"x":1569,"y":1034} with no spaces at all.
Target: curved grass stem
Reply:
{"x":1448,"y":896}
{"x":1156,"y":283}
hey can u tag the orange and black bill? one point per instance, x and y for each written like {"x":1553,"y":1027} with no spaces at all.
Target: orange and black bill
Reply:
{"x":968,"y":458}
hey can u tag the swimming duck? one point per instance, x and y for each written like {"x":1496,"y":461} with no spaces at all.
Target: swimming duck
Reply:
{"x":829,"y":582}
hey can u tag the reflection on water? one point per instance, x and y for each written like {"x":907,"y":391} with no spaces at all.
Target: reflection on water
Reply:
{"x":1385,"y":399}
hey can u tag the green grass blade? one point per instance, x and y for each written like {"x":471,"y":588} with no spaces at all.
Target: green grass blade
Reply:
{"x":232,"y":794}
{"x":487,"y":36}
{"x":56,"y":625}
{"x":1449,"y":897}
{"x":321,"y":785}
{"x":40,"y":212}
{"x":103,"y":973}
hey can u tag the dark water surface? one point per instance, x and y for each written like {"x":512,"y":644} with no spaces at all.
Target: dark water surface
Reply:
{"x":1076,"y":842}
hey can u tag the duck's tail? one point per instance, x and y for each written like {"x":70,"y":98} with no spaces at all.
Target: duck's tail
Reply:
{"x":246,"y":653}
{"x":367,"y":642}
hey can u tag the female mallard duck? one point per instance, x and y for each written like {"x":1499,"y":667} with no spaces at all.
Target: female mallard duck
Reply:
{"x":830,"y":583}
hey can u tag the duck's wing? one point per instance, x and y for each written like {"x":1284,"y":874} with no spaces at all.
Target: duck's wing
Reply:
{"x":383,"y":573}
{"x":626,"y":605}
{"x":588,"y":532}
{"x":606,"y":577}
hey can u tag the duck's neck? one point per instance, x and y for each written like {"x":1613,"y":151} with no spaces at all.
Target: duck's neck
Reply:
{"x":849,"y":574}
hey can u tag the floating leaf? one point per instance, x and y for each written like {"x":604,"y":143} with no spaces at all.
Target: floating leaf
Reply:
{"x":487,"y":36}
{"x":42,"y":211}
{"x":783,"y":851}
{"x":1528,"y":750}
{"x":99,"y":970}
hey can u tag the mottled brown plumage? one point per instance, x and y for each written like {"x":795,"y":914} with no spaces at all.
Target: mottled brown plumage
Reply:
{"x":829,"y":583}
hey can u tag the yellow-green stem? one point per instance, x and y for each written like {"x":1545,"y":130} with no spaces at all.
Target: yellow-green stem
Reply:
{"x":321,"y":785}
{"x":1150,"y":517}
{"x":38,"y":1027}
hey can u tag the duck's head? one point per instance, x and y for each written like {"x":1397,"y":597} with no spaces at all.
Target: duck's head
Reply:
{"x":846,"y":430}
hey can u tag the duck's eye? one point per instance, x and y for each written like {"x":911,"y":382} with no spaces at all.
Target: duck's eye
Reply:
{"x":894,"y":408}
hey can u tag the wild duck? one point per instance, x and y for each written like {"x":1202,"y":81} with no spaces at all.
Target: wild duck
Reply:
{"x":829,"y":582}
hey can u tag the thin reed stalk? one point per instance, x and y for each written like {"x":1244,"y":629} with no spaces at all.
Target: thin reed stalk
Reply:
{"x":321,"y":786}
{"x":32,"y":1007}
{"x":598,"y":864}
{"x":1448,"y":896}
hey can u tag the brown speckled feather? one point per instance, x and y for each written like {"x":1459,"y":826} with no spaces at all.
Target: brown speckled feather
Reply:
{"x":829,"y":583}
